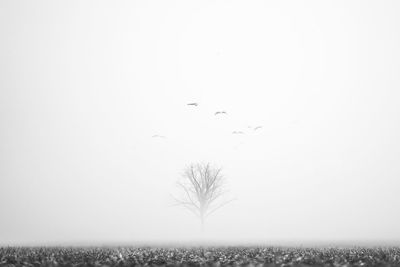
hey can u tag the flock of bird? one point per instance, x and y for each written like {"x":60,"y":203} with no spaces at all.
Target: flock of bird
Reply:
{"x":221,"y":112}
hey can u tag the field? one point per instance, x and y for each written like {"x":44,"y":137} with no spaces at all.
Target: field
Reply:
{"x":198,"y":256}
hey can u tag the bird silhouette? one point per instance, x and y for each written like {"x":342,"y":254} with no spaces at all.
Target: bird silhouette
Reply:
{"x":256,"y":128}
{"x":158,"y":136}
{"x":193,"y":104}
{"x":237,"y":132}
{"x":220,"y":112}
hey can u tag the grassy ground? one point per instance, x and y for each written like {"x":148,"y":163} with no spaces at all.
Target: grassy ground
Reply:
{"x":198,"y":256}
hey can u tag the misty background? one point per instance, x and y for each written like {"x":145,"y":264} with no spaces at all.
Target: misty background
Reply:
{"x":84,"y":85}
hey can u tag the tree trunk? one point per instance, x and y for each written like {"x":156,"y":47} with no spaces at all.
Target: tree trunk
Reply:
{"x":202,"y":222}
{"x":202,"y":217}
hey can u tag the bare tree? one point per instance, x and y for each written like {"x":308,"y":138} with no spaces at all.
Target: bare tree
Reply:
{"x":202,"y":188}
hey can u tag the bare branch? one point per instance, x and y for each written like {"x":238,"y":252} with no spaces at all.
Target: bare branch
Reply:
{"x":220,"y":206}
{"x":187,"y":205}
{"x":188,"y":194}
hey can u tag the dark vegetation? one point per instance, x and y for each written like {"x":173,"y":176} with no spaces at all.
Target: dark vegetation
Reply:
{"x":198,"y":256}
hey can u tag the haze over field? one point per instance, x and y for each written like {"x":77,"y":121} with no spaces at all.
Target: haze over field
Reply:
{"x":84,"y":85}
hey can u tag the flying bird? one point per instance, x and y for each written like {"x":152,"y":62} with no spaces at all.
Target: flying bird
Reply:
{"x":237,"y":132}
{"x":158,"y":136}
{"x":256,"y":128}
{"x":193,"y":104}
{"x":220,"y":112}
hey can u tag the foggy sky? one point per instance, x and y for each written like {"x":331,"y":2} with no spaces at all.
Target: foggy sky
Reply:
{"x":85,"y":84}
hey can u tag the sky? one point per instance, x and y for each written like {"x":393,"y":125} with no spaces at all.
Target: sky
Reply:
{"x":84,"y":85}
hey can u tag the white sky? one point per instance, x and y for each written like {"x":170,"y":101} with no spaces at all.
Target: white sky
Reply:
{"x":85,"y":84}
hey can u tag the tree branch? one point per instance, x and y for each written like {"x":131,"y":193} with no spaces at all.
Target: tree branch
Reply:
{"x":218,"y":207}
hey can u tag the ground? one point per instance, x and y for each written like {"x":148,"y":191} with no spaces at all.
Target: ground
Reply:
{"x":198,"y":256}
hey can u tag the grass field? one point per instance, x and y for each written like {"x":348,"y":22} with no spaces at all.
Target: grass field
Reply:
{"x":198,"y":256}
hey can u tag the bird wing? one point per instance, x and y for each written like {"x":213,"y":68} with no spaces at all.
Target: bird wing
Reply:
{"x":160,"y":136}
